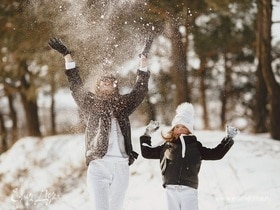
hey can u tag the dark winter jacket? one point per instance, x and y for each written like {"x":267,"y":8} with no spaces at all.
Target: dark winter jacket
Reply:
{"x":99,"y":112}
{"x":177,"y":170}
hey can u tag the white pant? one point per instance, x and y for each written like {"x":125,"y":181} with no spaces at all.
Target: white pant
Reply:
{"x":107,"y":184}
{"x":181,"y":197}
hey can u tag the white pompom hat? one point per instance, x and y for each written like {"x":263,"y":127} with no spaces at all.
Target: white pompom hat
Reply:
{"x":184,"y":116}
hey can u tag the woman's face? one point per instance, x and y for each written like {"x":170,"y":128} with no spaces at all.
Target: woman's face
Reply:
{"x":107,"y":85}
{"x":180,"y":129}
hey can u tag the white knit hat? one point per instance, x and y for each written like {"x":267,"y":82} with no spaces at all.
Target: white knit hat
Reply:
{"x":184,"y":116}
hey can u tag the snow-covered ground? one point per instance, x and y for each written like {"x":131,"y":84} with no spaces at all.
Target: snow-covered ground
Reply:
{"x":50,"y":174}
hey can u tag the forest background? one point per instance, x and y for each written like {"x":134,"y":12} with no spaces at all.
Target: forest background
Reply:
{"x":222,"y":57}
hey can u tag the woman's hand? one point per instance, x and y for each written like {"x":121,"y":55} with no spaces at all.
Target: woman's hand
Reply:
{"x":143,"y":62}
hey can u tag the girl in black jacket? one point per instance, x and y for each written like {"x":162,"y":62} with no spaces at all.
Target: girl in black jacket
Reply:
{"x":180,"y":158}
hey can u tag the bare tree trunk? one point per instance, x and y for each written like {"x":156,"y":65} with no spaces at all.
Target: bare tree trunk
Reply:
{"x":151,"y":112}
{"x":32,"y":118}
{"x":148,"y":110}
{"x":13,"y":115}
{"x":260,"y":115}
{"x":3,"y":136}
{"x":30,"y":105}
{"x":53,"y":123}
{"x":225,"y":93}
{"x":203,"y":100}
{"x":52,"y":110}
{"x":10,"y":92}
{"x":273,"y":88}
{"x":163,"y":82}
{"x":179,"y":60}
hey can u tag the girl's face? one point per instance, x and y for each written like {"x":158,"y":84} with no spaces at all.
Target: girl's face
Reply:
{"x":180,"y":129}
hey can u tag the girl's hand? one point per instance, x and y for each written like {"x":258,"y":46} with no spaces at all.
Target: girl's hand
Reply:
{"x":151,"y":127}
{"x":231,"y":131}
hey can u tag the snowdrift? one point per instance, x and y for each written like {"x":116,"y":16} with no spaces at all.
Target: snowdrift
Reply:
{"x":50,"y":173}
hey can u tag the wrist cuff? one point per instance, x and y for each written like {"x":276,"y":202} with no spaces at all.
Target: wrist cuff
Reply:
{"x":143,"y":69}
{"x":70,"y":65}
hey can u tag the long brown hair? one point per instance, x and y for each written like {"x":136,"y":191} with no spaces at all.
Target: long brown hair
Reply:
{"x":169,"y":136}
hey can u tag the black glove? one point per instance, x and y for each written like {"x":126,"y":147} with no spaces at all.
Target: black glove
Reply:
{"x":227,"y":142}
{"x":145,"y":140}
{"x":132,"y":156}
{"x":58,"y":45}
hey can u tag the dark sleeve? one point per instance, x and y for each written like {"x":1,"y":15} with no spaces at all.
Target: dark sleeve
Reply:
{"x":216,"y":153}
{"x":77,"y":88}
{"x":149,"y":152}
{"x":139,"y":91}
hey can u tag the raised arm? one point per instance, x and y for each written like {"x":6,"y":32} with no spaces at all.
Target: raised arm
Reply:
{"x":140,"y":88}
{"x":218,"y":152}
{"x":147,"y":150}
{"x":75,"y":82}
{"x":221,"y":149}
